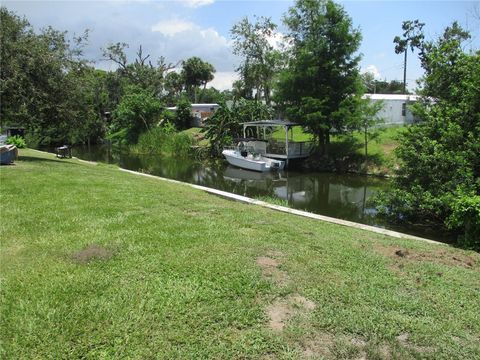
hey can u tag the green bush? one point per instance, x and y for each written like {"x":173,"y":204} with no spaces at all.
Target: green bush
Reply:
{"x":466,"y":216}
{"x":18,"y":141}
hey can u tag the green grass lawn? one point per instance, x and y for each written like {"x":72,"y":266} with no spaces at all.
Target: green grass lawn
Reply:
{"x":97,"y":263}
{"x":382,"y":146}
{"x":197,"y":135}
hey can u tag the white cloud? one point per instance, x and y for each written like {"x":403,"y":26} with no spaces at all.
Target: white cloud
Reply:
{"x":372,"y":69}
{"x":172,"y":27}
{"x":196,"y":3}
{"x":223,"y":80}
{"x":278,"y":41}
{"x":193,"y":40}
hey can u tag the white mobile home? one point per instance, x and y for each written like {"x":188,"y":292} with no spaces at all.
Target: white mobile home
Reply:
{"x":200,"y":112}
{"x":395,"y":108}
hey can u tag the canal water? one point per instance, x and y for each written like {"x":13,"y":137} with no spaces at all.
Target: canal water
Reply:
{"x":343,"y":196}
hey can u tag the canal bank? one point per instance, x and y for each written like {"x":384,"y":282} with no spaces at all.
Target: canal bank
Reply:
{"x":284,"y":209}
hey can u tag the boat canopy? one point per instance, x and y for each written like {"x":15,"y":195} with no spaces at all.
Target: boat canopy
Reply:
{"x":275,"y":148}
{"x":270,"y":123}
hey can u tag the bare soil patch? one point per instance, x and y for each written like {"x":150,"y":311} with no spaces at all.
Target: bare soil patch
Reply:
{"x":319,"y":346}
{"x":439,"y":256}
{"x":281,"y":310}
{"x":92,"y":252}
{"x":270,"y":270}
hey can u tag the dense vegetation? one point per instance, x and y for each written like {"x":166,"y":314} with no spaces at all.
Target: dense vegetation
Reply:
{"x":438,"y":180}
{"x":48,"y":87}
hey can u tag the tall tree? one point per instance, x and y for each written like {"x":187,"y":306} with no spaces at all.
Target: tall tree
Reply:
{"x":141,"y":72}
{"x":196,"y":73}
{"x":321,"y":86}
{"x":39,"y":80}
{"x":412,"y":38}
{"x":439,"y":176}
{"x":252,"y":41}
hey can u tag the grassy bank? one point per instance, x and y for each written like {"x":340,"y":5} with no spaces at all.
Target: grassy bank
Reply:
{"x":97,"y":263}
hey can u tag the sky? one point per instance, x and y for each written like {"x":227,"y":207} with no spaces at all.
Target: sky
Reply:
{"x":181,"y":29}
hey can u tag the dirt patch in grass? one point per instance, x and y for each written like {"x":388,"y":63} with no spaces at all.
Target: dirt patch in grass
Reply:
{"x":439,"y":256}
{"x":269,"y":266}
{"x":281,"y":310}
{"x":278,"y":312}
{"x":318,"y":345}
{"x":92,"y":252}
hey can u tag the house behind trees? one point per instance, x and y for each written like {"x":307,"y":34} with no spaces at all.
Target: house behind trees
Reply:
{"x":395,"y":109}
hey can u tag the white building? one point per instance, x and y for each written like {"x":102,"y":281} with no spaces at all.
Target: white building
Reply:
{"x":395,"y":108}
{"x":200,"y":112}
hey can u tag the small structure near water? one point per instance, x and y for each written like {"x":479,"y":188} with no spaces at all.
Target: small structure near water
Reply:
{"x":274,"y":147}
{"x":264,"y":148}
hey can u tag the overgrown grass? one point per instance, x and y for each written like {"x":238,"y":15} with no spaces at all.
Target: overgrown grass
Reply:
{"x":160,"y":140}
{"x":97,"y":263}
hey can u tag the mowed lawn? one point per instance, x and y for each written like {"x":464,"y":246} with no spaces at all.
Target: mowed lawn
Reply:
{"x":98,"y":263}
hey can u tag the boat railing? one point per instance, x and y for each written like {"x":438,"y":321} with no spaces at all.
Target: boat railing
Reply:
{"x":300,"y":148}
{"x":248,"y":149}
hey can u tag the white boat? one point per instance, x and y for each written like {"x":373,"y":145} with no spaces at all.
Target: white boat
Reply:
{"x":252,"y":162}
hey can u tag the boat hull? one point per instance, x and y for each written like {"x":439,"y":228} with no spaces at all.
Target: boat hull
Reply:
{"x":256,"y":164}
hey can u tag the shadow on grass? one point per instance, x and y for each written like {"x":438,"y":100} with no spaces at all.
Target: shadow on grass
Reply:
{"x":41,"y":159}
{"x":344,"y":146}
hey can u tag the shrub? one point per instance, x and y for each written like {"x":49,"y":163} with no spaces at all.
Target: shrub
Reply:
{"x":179,"y":145}
{"x":163,"y":140}
{"x":17,"y":140}
{"x":466,"y":216}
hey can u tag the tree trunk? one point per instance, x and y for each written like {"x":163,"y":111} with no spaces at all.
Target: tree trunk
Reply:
{"x":327,"y":141}
{"x":321,"y":142}
{"x":366,"y":143}
{"x":267,"y":95}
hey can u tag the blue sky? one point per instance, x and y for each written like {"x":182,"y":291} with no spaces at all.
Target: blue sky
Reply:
{"x":181,"y":29}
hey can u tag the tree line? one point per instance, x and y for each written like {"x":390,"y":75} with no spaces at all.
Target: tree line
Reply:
{"x":48,"y":87}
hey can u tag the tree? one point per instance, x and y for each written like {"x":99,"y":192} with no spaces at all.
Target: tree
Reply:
{"x":196,"y":73}
{"x":40,"y":81}
{"x":373,"y":86}
{"x":174,"y":84}
{"x":321,"y":86}
{"x":260,"y":59}
{"x":142,"y":72}
{"x":136,"y":113}
{"x":221,"y":128}
{"x":225,"y":124}
{"x":438,"y":180}
{"x":183,"y":115}
{"x":412,"y":38}
{"x":369,"y":121}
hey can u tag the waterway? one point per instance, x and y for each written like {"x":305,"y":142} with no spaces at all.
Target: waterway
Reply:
{"x":343,"y":196}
